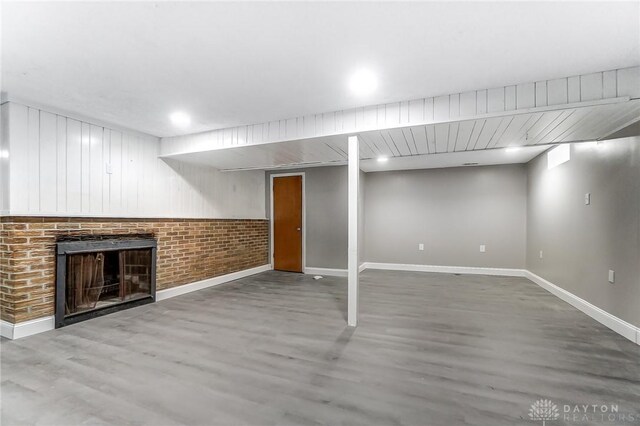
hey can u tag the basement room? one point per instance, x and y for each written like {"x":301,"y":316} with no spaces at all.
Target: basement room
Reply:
{"x":320,"y":213}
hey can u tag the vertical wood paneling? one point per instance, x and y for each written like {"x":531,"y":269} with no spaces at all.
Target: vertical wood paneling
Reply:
{"x":74,"y":166}
{"x":481,"y":102}
{"x":48,"y":162}
{"x":416,"y":111}
{"x":33,"y":142}
{"x":557,"y":91}
{"x":468,"y":104}
{"x":510,"y":98}
{"x":454,"y":106}
{"x":58,"y":166}
{"x":609,"y":84}
{"x":627,"y":82}
{"x":441,"y":108}
{"x":106,"y":177}
{"x":541,"y":94}
{"x":495,"y":100}
{"x":429,"y":110}
{"x":573,"y":89}
{"x":525,"y":95}
{"x":115,"y":188}
{"x":85,"y":178}
{"x":4,"y":158}
{"x":61,"y":164}
{"x":591,"y":87}
{"x":96,"y":169}
{"x":19,"y":158}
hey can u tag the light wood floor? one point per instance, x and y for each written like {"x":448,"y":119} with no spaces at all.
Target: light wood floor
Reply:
{"x":431,"y":349}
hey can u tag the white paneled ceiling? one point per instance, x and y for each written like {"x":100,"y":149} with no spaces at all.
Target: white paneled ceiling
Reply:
{"x":434,"y":145}
{"x":238,"y":63}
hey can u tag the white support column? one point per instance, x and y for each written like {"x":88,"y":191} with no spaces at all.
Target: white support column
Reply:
{"x":353,"y":264}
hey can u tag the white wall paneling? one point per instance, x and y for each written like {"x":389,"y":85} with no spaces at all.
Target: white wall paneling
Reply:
{"x":61,"y":166}
{"x":4,"y":159}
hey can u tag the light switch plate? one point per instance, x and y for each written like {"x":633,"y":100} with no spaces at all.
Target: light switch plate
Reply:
{"x":107,"y":168}
{"x":540,"y":254}
{"x":587,"y":198}
{"x":421,"y":247}
{"x":612,"y":276}
{"x":483,"y":248}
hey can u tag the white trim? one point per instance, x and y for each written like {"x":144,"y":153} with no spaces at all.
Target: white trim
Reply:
{"x":621,"y":327}
{"x":27,"y":328}
{"x":304,"y":216}
{"x":446,"y":269}
{"x":40,"y":325}
{"x":362,"y":266}
{"x":209,"y":282}
{"x":326,"y":271}
{"x":72,"y":215}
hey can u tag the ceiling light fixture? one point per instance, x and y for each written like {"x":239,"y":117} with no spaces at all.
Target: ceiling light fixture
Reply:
{"x":180,"y":119}
{"x":383,"y":159}
{"x":513,"y":149}
{"x":363,"y":82}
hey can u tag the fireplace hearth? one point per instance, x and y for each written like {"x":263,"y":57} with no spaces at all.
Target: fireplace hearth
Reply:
{"x":100,"y":275}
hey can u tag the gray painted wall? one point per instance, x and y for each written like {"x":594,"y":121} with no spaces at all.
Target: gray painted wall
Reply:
{"x":580,"y":243}
{"x":451,"y":211}
{"x":326,"y":215}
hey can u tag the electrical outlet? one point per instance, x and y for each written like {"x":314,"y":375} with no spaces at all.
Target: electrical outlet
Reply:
{"x":612,"y":276}
{"x":107,"y":168}
{"x":540,"y":254}
{"x":421,"y":247}
{"x":483,"y":248}
{"x":587,"y":198}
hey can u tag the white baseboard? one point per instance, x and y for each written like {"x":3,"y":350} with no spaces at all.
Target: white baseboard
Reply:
{"x":27,"y":328}
{"x":326,"y":271}
{"x":210,"y":282}
{"x":331,"y":271}
{"x":446,"y":269}
{"x":621,"y":327}
{"x":40,"y":325}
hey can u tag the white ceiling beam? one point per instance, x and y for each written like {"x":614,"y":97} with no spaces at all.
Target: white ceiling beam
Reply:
{"x":570,"y":92}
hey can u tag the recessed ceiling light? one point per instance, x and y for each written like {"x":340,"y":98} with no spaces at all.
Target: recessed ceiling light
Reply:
{"x":363,"y":82}
{"x":180,"y":119}
{"x":513,"y":149}
{"x":383,"y":159}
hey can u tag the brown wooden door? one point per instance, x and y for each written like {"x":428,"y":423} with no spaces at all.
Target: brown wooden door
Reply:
{"x":287,"y":223}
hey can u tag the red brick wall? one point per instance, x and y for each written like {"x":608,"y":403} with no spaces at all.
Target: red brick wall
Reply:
{"x":188,"y":250}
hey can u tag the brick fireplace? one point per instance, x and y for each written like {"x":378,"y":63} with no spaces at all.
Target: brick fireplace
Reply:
{"x":188,"y":250}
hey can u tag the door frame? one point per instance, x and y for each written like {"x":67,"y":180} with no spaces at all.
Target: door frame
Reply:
{"x":304,"y":218}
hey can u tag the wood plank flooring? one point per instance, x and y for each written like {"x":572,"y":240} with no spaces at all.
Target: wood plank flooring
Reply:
{"x":271,"y":349}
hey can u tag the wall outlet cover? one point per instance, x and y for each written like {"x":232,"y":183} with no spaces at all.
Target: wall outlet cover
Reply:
{"x":421,"y":246}
{"x":483,"y":248}
{"x":587,"y":198}
{"x":612,"y":276}
{"x":540,"y":254}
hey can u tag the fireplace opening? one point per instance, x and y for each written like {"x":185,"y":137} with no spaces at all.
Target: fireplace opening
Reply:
{"x":101,"y":276}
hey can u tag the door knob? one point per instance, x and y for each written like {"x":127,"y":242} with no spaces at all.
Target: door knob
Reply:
{"x":298,"y":229}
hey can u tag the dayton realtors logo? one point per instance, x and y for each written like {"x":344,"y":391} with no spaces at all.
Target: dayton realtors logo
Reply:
{"x":543,"y":410}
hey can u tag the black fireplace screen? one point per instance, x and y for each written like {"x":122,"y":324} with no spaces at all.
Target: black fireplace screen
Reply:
{"x":97,"y":277}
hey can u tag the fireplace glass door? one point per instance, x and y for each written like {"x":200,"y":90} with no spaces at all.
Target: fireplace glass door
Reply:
{"x":101,"y":279}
